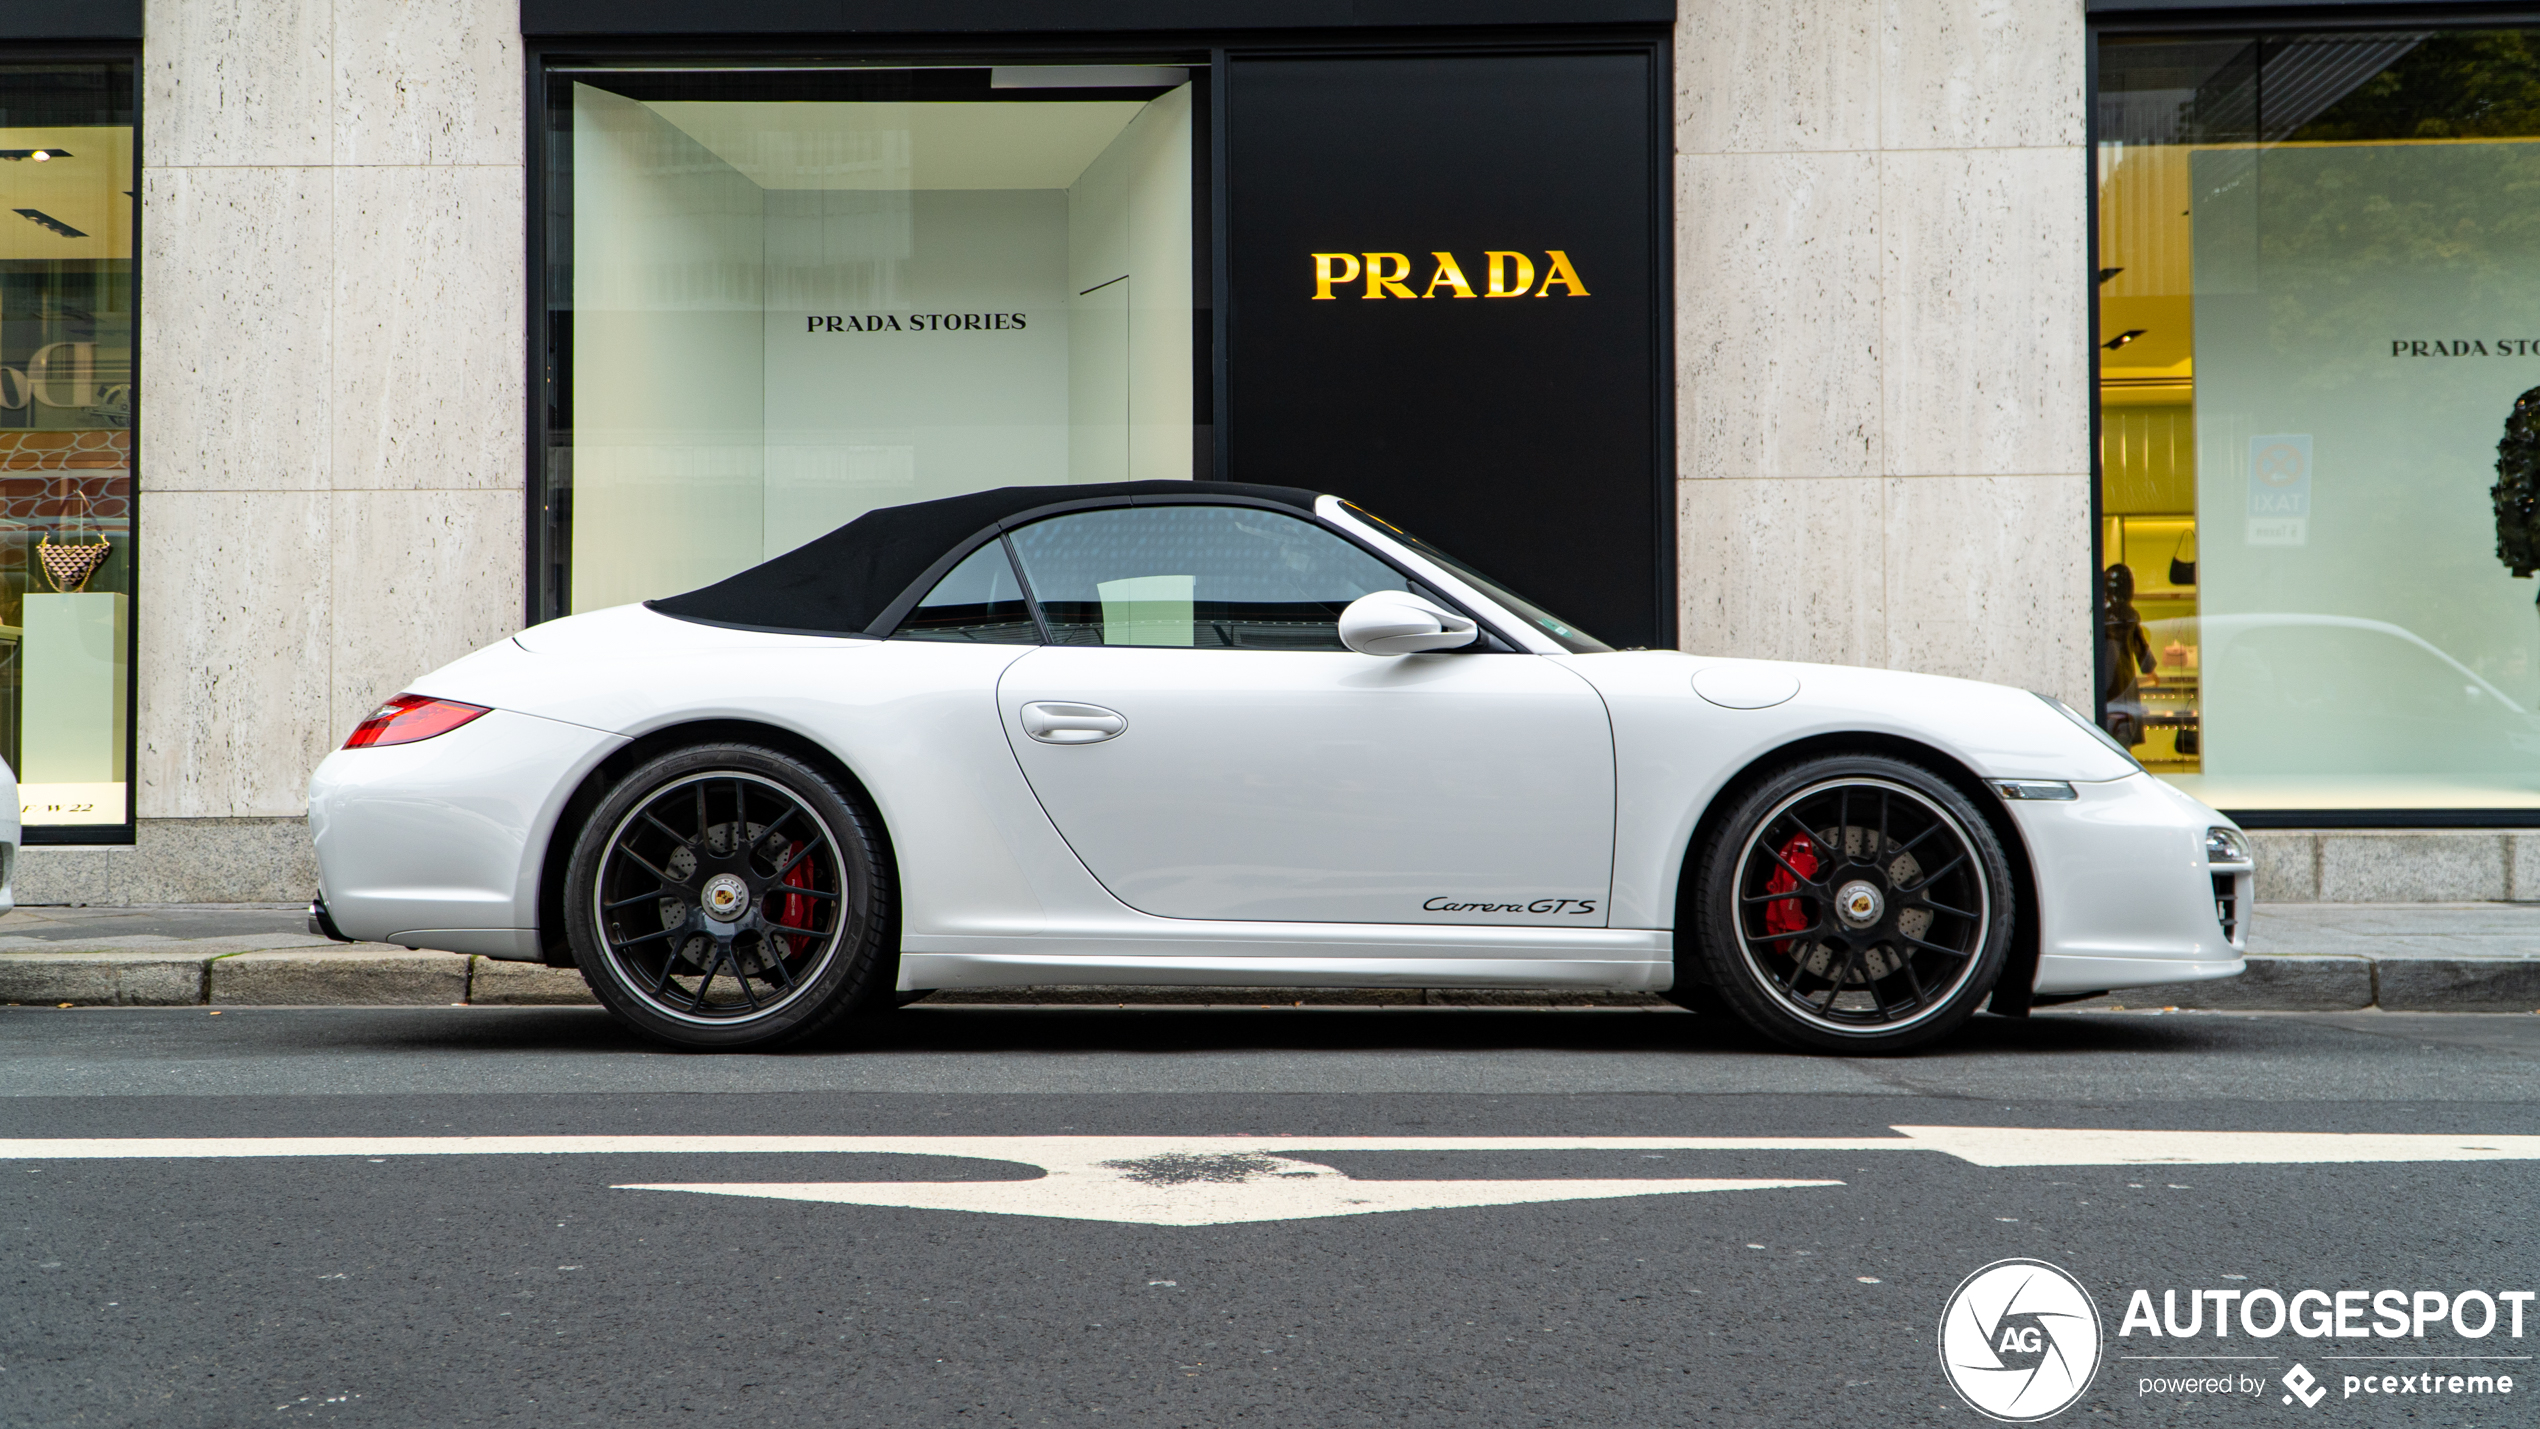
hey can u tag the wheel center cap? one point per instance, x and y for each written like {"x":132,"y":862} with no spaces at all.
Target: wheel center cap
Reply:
{"x":725,"y":897}
{"x":1859,"y":903}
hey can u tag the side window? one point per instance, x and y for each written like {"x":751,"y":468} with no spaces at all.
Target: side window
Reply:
{"x":1218,"y":577}
{"x":976,"y":600}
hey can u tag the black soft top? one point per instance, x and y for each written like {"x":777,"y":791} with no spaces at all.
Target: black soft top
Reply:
{"x":846,"y":583}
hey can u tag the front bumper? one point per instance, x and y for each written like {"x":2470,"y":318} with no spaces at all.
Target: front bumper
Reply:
{"x":2126,"y":895}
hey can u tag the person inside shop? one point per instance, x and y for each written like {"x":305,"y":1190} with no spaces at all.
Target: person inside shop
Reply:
{"x":2125,"y":653}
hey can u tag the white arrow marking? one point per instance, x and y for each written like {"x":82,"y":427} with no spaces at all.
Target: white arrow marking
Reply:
{"x":1188,"y":1187}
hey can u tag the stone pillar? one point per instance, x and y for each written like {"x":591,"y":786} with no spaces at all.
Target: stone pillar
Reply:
{"x":1882,"y":352}
{"x":332,"y":451}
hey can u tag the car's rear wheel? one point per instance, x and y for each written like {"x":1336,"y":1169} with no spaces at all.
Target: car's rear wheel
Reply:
{"x":729,"y":896}
{"x":1852,"y":904}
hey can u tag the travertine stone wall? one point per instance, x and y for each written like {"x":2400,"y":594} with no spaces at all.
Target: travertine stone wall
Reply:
{"x":1882,"y":352}
{"x":331,"y":446}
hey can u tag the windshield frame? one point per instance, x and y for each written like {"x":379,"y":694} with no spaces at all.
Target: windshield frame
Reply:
{"x":1536,"y":623}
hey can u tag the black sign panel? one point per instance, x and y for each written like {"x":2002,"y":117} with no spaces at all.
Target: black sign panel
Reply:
{"x":1446,"y":305}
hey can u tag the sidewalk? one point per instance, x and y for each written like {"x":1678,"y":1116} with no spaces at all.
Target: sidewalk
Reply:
{"x":243,"y":955}
{"x":2418,"y":957}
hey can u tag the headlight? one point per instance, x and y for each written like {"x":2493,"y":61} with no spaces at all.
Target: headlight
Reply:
{"x":2226,"y":846}
{"x":2096,"y":732}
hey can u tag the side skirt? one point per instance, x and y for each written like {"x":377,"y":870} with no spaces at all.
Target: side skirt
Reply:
{"x":1287,"y":955}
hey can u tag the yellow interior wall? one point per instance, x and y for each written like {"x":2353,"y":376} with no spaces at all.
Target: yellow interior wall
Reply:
{"x":88,"y":191}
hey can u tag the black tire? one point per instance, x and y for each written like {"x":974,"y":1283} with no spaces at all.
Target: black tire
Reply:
{"x":731,"y":896}
{"x":1853,"y":903}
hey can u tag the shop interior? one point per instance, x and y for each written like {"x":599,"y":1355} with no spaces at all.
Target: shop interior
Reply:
{"x":66,"y":308}
{"x":2147,"y":450}
{"x":797,"y":298}
{"x":2319,"y":292}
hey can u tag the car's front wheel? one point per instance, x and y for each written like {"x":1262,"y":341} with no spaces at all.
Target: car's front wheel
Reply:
{"x":1852,"y":904}
{"x":729,"y":896}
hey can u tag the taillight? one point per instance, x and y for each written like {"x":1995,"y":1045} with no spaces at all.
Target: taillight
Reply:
{"x":408,"y":718}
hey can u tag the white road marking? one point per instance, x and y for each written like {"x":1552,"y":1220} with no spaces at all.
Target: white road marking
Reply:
{"x":994,"y":1148}
{"x":2000,"y":1146}
{"x":1109,"y":1194}
{"x":1212,"y":1181}
{"x":1218,"y":1180}
{"x":2064,"y":1146}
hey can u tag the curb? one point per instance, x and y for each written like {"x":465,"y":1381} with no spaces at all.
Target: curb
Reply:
{"x":2345,"y":983}
{"x":362,"y":975}
{"x":373,"y":975}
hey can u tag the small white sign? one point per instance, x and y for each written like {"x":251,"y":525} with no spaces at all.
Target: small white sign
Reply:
{"x":70,"y":803}
{"x":2280,"y":490}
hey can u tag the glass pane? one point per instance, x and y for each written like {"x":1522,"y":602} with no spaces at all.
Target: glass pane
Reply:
{"x":2319,"y":311}
{"x":784,"y":298}
{"x":66,"y":334}
{"x":978,"y":600}
{"x":1212,"y":577}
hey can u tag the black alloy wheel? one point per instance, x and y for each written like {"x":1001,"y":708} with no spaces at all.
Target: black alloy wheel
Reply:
{"x":1854,"y":903}
{"x":730,"y":896}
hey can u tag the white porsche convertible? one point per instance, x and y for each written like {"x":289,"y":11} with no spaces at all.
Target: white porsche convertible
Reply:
{"x":1165,"y":732}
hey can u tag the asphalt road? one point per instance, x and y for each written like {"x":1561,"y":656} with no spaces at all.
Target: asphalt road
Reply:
{"x":393,"y":1281}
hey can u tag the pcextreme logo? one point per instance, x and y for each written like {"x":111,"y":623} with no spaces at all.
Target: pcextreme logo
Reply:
{"x":2019,"y":1341}
{"x":1505,"y":274}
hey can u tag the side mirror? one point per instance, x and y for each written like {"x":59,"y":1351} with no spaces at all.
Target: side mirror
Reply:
{"x":1396,"y":622}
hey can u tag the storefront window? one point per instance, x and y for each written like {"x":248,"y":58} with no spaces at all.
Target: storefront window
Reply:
{"x":2319,"y":319}
{"x":778,"y":298}
{"x":66,"y":347}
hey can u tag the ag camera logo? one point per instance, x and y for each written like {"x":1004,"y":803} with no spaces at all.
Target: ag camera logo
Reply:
{"x":2019,"y":1341}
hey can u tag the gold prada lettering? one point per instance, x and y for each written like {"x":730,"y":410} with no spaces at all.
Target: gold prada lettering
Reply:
{"x":1498,"y":264}
{"x":1561,"y":273}
{"x":1449,"y":274}
{"x":1326,"y":274}
{"x":1507,"y":273}
{"x":1385,"y":272}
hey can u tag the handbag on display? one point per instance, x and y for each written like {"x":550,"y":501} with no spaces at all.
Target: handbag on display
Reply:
{"x":2183,"y":572}
{"x":69,"y":566}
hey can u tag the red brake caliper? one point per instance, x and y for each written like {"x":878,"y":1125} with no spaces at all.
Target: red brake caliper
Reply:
{"x":797,"y":907}
{"x":1785,"y":915}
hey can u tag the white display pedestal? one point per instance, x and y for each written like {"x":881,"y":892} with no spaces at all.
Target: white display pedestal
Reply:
{"x":73,"y":674}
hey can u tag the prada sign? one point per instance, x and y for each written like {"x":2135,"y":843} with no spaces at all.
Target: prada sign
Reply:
{"x":1528,"y":437}
{"x":1509,"y":274}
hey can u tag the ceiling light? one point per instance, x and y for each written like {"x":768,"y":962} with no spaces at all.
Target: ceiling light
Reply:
{"x":2112,"y":344}
{"x":38,"y":155}
{"x":2106,"y":273}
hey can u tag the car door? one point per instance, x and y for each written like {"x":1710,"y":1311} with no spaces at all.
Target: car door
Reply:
{"x":1209,"y":748}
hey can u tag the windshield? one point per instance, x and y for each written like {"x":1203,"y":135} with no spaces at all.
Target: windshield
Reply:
{"x":1561,"y":632}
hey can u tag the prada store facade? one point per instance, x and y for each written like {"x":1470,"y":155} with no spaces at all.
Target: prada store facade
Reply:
{"x":783,"y":283}
{"x":2171,"y":359}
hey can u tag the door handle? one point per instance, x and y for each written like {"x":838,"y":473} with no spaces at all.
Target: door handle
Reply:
{"x":1059,"y":722}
